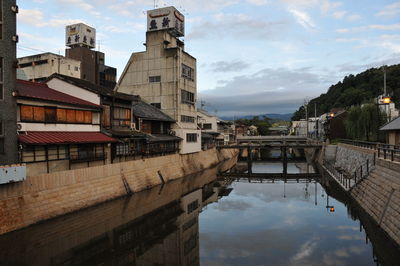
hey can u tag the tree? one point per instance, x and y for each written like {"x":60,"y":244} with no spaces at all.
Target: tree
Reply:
{"x":363,"y":122}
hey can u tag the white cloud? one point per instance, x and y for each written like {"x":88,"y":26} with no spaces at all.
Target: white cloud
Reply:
{"x":353,"y":17}
{"x":259,"y":2}
{"x":305,"y":250}
{"x":303,"y":19}
{"x":339,"y":14}
{"x":232,"y":25}
{"x":36,"y":17}
{"x":384,"y":27}
{"x":327,"y":6}
{"x":79,"y":3}
{"x":390,"y":10}
{"x":32,"y":17}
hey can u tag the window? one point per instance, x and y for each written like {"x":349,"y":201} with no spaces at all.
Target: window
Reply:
{"x":187,"y":72}
{"x":121,"y":117}
{"x":69,"y":67}
{"x":192,"y":206}
{"x":191,"y":137}
{"x":1,"y":129}
{"x":187,"y":97}
{"x":30,"y":113}
{"x":156,"y":105}
{"x":76,"y":68}
{"x":187,"y":119}
{"x":155,"y":79}
{"x":25,"y":65}
{"x":1,"y":78}
{"x":207,"y":126}
{"x":40,"y":62}
{"x":122,"y":149}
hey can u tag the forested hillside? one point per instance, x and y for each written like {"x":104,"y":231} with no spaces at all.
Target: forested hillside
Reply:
{"x":355,"y":90}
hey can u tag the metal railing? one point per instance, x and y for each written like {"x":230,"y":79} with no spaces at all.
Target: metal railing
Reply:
{"x":348,"y":180}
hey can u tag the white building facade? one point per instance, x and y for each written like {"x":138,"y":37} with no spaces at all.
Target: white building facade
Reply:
{"x":40,"y":67}
{"x":165,"y":75}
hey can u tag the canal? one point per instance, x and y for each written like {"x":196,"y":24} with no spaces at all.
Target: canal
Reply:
{"x":205,"y":220}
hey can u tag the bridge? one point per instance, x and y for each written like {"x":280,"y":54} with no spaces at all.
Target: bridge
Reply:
{"x":270,"y":177}
{"x":271,"y":139}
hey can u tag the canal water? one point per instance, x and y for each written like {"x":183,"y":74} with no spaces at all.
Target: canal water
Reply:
{"x":200,"y":220}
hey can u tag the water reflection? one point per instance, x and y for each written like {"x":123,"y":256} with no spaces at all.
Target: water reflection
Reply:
{"x":201,"y":220}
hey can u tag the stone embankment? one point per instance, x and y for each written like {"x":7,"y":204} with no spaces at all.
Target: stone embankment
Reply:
{"x":49,"y":195}
{"x":379,"y":192}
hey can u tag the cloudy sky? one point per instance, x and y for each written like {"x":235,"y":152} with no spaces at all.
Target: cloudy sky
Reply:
{"x":253,"y":56}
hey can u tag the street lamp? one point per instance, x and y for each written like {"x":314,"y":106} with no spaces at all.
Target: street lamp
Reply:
{"x":386,"y":100}
{"x":331,"y":208}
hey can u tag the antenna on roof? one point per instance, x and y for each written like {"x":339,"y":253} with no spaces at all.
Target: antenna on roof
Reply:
{"x":202,"y":103}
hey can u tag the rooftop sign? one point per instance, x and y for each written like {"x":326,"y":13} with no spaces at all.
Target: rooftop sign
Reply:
{"x":80,"y":35}
{"x":167,"y":18}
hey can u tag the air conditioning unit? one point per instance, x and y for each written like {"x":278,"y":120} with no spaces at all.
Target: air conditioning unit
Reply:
{"x":133,"y":126}
{"x":15,"y":38}
{"x":15,"y":9}
{"x":21,"y":127}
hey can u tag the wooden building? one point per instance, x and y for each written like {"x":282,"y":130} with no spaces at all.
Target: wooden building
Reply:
{"x":57,"y":131}
{"x":142,"y":129}
{"x":392,"y":130}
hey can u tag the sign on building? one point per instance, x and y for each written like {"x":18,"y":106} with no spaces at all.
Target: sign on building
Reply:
{"x":81,"y":35}
{"x":167,"y":18}
{"x":12,"y":173}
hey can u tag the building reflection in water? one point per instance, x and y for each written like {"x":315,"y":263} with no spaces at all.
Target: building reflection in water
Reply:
{"x":168,"y":235}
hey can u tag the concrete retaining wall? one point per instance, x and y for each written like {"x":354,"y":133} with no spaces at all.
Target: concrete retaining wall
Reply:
{"x":379,"y":193}
{"x":49,"y":195}
{"x":43,"y":243}
{"x":351,"y":158}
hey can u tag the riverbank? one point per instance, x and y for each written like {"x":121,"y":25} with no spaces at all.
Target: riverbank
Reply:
{"x":47,"y":196}
{"x":378,"y":193}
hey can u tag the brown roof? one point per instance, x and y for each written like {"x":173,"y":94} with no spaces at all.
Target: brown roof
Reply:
{"x":41,"y":91}
{"x":46,"y":137}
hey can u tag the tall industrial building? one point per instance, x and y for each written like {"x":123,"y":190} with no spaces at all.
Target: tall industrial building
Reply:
{"x":81,"y":40}
{"x":165,"y":75}
{"x":8,"y":106}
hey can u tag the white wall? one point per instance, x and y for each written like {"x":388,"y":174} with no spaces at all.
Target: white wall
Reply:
{"x":205,"y":119}
{"x":62,"y":86}
{"x":58,"y":127}
{"x":189,"y":147}
{"x":56,"y":64}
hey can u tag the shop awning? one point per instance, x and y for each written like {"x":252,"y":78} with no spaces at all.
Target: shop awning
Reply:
{"x":46,"y":137}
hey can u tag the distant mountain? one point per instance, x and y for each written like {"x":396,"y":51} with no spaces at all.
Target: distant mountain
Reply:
{"x":283,"y":117}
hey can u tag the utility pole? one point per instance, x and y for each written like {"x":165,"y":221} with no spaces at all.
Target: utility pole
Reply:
{"x":305,"y":106}
{"x":315,"y":120}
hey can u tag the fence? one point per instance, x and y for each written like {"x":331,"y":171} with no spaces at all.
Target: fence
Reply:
{"x":349,"y":180}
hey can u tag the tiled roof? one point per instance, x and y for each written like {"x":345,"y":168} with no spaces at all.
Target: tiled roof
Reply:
{"x":162,"y":137}
{"x":82,"y":84}
{"x":392,"y":125}
{"x":46,"y":137}
{"x":41,"y":91}
{"x":148,"y":112}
